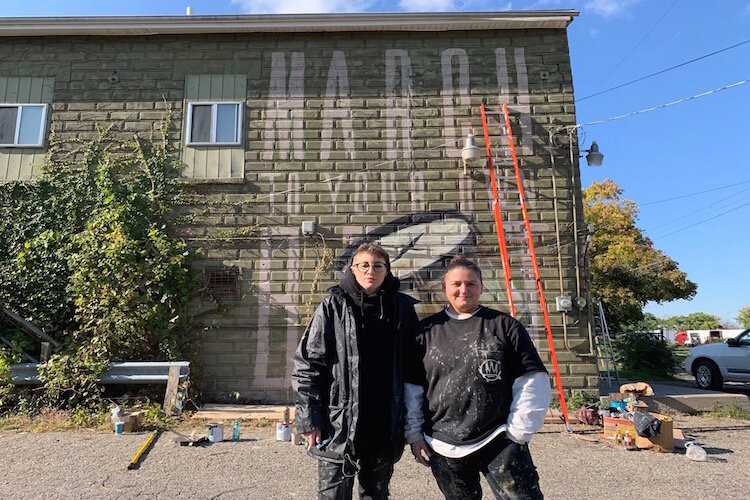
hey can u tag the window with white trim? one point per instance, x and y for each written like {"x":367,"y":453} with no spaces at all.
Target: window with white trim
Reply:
{"x":22,"y":125}
{"x":214,"y":123}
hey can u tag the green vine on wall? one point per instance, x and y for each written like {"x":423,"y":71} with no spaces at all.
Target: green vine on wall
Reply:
{"x":90,"y":259}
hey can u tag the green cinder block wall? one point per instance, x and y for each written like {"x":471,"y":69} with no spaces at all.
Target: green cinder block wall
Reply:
{"x":360,"y":133}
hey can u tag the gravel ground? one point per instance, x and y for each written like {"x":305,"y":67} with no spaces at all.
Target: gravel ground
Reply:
{"x":87,"y":464}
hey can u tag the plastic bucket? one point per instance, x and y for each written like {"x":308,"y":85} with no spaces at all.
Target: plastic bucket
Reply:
{"x":283,"y":431}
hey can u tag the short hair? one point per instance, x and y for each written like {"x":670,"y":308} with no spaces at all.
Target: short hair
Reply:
{"x":459,"y":261}
{"x":374,"y":249}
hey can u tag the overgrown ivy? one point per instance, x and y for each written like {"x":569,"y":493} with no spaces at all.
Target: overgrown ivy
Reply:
{"x":88,"y":256}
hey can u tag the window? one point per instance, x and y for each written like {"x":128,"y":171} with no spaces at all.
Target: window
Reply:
{"x":214,"y":123}
{"x":22,"y":125}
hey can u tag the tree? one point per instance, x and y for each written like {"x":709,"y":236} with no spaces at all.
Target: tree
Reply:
{"x":743,"y":316}
{"x":626,"y":270}
{"x":694,"y":321}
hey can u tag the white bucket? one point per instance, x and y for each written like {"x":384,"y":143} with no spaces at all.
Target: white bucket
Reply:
{"x":283,"y":432}
{"x":215,"y":433}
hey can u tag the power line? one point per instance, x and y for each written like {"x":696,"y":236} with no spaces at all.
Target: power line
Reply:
{"x":704,"y":220}
{"x":697,"y":210}
{"x":668,"y":104}
{"x":693,"y":194}
{"x":638,"y":44}
{"x":663,"y":71}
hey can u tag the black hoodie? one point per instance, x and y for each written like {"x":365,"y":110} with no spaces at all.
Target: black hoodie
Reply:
{"x":375,"y":339}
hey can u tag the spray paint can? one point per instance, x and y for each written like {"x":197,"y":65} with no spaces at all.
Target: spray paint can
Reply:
{"x":283,"y":431}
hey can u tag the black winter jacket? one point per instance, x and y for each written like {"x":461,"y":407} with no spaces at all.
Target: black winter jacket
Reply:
{"x":326,"y":375}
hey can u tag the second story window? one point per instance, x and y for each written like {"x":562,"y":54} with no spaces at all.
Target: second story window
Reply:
{"x":214,"y":123}
{"x":22,"y":125}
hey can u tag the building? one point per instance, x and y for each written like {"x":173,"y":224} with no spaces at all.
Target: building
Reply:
{"x":353,"y":122}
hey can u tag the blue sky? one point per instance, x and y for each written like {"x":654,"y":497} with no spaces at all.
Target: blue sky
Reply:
{"x":694,"y":146}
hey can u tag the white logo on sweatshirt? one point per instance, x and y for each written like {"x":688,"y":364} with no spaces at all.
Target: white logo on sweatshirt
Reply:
{"x":490,"y":370}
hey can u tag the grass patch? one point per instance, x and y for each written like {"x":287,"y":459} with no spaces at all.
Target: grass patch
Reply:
{"x":733,"y":412}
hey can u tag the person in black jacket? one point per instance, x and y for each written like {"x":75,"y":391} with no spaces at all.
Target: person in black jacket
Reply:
{"x":476,"y":392}
{"x":348,"y":378}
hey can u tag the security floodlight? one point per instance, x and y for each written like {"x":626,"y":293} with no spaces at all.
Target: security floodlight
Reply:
{"x":594,"y":158}
{"x":470,"y":151}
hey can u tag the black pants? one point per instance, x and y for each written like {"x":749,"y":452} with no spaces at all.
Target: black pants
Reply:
{"x":506,"y":465}
{"x":336,"y":481}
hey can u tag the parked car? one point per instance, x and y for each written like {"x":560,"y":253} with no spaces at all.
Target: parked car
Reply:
{"x":714,"y":364}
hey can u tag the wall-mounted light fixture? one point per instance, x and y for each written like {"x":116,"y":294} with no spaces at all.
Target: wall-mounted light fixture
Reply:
{"x":594,"y":158}
{"x":470,"y":151}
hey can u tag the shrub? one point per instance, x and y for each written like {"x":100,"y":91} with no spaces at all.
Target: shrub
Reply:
{"x":91,"y":260}
{"x":645,"y":357}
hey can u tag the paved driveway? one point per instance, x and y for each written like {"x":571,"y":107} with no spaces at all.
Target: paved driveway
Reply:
{"x":93,"y":465}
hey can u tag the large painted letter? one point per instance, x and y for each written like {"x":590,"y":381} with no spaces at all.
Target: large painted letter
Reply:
{"x":340,"y":110}
{"x":284,"y":109}
{"x":453,"y":147}
{"x":395,"y":110}
{"x":524,"y":106}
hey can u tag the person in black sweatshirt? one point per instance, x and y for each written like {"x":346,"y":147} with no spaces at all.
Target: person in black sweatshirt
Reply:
{"x":348,"y":378}
{"x":476,"y":392}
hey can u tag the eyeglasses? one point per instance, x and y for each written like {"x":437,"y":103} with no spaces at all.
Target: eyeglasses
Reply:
{"x":378,"y":267}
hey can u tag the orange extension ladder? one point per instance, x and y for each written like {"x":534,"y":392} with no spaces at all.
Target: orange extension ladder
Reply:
{"x":530,"y":241}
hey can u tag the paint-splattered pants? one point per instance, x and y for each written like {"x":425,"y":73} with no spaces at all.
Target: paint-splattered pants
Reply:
{"x":506,"y":465}
{"x":336,"y":481}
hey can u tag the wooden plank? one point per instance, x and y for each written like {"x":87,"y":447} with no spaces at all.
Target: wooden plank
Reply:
{"x":212,"y":162}
{"x":217,"y":85}
{"x":3,"y":89}
{"x":24,"y":89}
{"x":11,"y":92}
{"x":204,"y":87}
{"x":224,"y":164}
{"x":199,"y":163}
{"x":48,"y":90}
{"x":192,"y":84}
{"x":25,"y":167}
{"x":14,"y":165}
{"x":243,"y":412}
{"x":170,"y":395}
{"x":35,"y":90}
{"x":4,"y":163}
{"x":238,"y":163}
{"x":28,"y":327}
{"x":227,"y":88}
{"x":46,"y":352}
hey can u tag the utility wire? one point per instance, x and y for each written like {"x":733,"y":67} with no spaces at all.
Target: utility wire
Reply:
{"x":638,"y":44}
{"x":668,"y":104}
{"x":693,"y":194}
{"x":663,"y":71}
{"x":703,"y":221}
{"x":692,"y":212}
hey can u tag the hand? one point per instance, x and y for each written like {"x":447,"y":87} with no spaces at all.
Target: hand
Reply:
{"x":422,"y":452}
{"x":312,"y":438}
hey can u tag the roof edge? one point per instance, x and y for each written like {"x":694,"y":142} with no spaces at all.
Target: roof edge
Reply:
{"x":278,"y":23}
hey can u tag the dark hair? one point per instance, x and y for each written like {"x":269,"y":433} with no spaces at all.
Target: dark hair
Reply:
{"x":459,"y":261}
{"x":374,"y":249}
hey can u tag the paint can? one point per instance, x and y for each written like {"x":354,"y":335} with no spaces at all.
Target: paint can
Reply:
{"x":119,"y":428}
{"x":215,"y":433}
{"x":283,"y":431}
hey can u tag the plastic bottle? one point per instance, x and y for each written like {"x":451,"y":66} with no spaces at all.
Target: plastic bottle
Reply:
{"x":695,"y":452}
{"x":628,"y":441}
{"x":236,"y":431}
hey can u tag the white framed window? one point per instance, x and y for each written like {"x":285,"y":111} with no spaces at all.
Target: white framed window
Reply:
{"x":214,"y":123}
{"x":22,"y":125}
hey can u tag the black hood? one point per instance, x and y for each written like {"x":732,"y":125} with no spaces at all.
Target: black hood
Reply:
{"x":388,"y":289}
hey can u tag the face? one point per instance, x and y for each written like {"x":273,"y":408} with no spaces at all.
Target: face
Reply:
{"x":462,"y":287}
{"x":370,"y":280}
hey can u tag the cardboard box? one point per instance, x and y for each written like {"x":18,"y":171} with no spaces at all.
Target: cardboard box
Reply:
{"x":131,"y":420}
{"x":664,"y":441}
{"x":613,"y":426}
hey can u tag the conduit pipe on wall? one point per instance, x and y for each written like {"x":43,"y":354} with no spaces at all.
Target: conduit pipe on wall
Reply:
{"x":576,"y":243}
{"x":557,"y":239}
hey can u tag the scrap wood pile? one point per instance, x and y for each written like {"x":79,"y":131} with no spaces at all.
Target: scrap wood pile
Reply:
{"x":628,"y":423}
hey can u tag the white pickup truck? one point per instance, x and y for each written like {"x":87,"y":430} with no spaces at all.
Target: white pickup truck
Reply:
{"x":714,"y":364}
